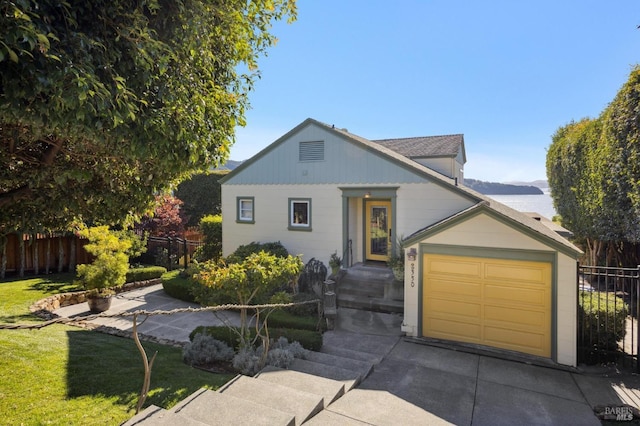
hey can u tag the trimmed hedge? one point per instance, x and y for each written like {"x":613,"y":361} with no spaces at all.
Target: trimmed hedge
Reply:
{"x":211,"y":228}
{"x":283,"y":319}
{"x":311,"y":340}
{"x":602,"y":317}
{"x":146,"y":273}
{"x":179,"y":286}
{"x":242,"y":252}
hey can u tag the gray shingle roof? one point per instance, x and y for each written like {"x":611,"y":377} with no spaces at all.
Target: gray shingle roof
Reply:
{"x":425,"y":146}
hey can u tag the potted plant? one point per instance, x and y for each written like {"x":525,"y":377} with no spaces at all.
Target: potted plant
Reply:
{"x":396,"y":261}
{"x":335,"y":262}
{"x":108,"y":269}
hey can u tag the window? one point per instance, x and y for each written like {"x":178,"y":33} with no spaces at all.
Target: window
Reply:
{"x":311,"y":151}
{"x":245,"y":210}
{"x":300,"y":214}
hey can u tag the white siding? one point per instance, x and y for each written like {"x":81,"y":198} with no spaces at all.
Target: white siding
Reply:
{"x":272,"y":216}
{"x":441,"y":165}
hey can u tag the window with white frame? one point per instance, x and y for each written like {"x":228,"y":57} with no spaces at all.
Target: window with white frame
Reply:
{"x":245,"y":210}
{"x":300,"y":214}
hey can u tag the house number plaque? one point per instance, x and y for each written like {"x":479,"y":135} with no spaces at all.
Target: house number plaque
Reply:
{"x":413,"y":274}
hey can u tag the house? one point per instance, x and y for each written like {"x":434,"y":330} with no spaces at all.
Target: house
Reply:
{"x":476,"y":271}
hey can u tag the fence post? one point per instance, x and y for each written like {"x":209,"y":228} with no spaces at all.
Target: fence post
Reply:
{"x":169,"y":254}
{"x":637,"y":282}
{"x":184,"y":251}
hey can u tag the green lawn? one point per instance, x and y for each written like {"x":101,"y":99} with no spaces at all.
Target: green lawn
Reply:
{"x":69,"y":376}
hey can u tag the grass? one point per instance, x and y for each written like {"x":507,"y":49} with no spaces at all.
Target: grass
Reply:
{"x":70,"y":376}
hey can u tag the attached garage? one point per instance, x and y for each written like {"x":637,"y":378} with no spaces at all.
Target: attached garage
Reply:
{"x":502,"y":303}
{"x":481,"y":277}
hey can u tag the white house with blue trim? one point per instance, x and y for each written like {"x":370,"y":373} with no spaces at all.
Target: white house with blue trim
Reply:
{"x":476,"y":271}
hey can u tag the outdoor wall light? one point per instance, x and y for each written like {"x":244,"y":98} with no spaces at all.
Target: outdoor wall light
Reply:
{"x":411,"y":255}
{"x":367,"y":194}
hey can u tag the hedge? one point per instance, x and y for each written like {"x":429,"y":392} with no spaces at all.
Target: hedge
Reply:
{"x":144,"y":274}
{"x":175,"y":284}
{"x":311,"y":340}
{"x":602,"y":320}
{"x":283,"y":319}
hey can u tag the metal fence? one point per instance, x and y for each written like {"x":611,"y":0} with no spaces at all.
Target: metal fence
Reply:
{"x":608,"y":300}
{"x":170,"y":252}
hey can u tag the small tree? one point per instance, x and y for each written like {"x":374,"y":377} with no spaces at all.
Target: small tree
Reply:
{"x":168,"y":219}
{"x":111,"y":263}
{"x":247,"y":282}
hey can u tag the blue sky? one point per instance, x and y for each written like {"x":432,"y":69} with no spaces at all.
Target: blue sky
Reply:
{"x":506,"y":74}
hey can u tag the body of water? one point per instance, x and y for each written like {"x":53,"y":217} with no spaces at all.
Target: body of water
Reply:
{"x":539,"y":203}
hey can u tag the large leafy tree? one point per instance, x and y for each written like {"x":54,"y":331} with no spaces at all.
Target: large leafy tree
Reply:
{"x":594,"y":174}
{"x":105,"y":102}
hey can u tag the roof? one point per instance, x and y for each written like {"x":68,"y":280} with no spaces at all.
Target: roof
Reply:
{"x":482,"y":202}
{"x":426,"y":146}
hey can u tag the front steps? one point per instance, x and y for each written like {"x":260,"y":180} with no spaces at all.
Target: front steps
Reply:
{"x":371,"y":288}
{"x":303,"y":393}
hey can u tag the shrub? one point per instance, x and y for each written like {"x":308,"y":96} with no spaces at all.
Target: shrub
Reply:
{"x":281,"y":358}
{"x":310,"y":340}
{"x":242,"y":252}
{"x":295,"y":348}
{"x":284,"y":319}
{"x":110,"y":263}
{"x":247,"y":360}
{"x":175,"y":284}
{"x":602,"y":320}
{"x":205,"y":350}
{"x":211,"y":228}
{"x":307,"y":310}
{"x":146,"y":273}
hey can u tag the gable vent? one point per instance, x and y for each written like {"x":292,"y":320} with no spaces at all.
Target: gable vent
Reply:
{"x":311,"y":151}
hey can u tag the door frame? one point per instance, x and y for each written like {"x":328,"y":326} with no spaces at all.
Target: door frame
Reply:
{"x":361,"y":194}
{"x":368,"y":205}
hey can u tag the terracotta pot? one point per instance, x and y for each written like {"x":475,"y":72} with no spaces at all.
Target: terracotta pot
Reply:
{"x":99,"y":304}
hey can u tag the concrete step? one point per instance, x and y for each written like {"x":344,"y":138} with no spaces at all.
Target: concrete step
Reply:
{"x":370,"y":273}
{"x":329,"y":418}
{"x":328,"y":389}
{"x":370,"y":304}
{"x":361,"y":367}
{"x":302,"y":405}
{"x":213,"y":408}
{"x":361,"y":288}
{"x":348,"y":378}
{"x":156,"y":416}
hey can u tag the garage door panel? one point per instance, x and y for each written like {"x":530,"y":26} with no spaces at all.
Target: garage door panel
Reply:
{"x":503,"y":303}
{"x":515,"y":318}
{"x":516,"y":272}
{"x":531,"y":343}
{"x":454,"y":310}
{"x":453,"y":330}
{"x":455,"y":288}
{"x":453,"y":267}
{"x":534,"y":297}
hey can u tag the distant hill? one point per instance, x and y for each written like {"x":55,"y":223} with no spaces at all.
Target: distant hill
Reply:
{"x":230,"y":165}
{"x":538,"y":183}
{"x":495,"y":188}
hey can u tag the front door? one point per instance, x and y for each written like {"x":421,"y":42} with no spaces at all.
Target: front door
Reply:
{"x":378,"y":230}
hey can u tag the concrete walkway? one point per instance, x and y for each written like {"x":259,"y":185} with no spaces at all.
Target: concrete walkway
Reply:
{"x":417,"y":383}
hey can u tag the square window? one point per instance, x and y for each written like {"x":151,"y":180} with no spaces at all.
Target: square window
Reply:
{"x":245,"y":210}
{"x":300,"y":214}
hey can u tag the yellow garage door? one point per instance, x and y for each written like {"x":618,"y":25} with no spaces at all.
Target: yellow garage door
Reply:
{"x":495,"y":302}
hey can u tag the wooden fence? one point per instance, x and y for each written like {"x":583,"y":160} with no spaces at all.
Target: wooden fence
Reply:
{"x":22,"y":254}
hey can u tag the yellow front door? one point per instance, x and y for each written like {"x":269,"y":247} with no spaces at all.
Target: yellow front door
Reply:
{"x":378,"y":230}
{"x":495,"y":302}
